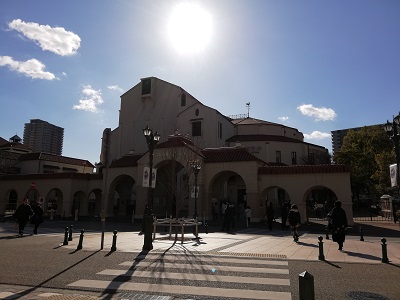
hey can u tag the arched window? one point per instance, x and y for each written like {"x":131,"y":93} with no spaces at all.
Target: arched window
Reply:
{"x":183,"y":100}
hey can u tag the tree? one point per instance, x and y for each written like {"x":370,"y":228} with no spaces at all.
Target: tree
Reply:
{"x":175,"y":175}
{"x":369,"y":152}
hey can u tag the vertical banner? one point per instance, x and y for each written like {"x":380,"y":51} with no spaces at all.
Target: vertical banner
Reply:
{"x":192,"y":194}
{"x":393,"y":174}
{"x":146,"y":177}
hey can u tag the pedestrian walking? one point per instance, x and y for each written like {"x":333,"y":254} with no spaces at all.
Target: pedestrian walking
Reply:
{"x":294,"y":221}
{"x":37,"y":217}
{"x":22,"y":215}
{"x":270,"y":215}
{"x":247,"y":213}
{"x":338,"y":224}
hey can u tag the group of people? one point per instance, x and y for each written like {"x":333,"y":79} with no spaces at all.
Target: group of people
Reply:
{"x":337,"y":219}
{"x":25,"y":213}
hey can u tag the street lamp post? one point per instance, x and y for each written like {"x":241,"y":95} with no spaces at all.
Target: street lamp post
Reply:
{"x":152,"y":140}
{"x":196,"y":169}
{"x":393,"y":131}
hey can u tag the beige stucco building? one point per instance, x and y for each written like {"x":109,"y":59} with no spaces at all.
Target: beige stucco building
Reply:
{"x":245,"y":161}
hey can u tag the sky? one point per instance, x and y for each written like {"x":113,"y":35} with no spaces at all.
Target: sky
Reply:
{"x":314,"y":65}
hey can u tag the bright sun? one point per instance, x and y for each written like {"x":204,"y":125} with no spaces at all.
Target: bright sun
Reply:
{"x":189,"y":28}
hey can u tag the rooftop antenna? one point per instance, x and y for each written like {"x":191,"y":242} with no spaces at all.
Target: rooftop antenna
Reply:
{"x":248,"y":109}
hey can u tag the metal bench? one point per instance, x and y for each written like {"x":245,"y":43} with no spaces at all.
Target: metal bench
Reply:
{"x":168,"y":222}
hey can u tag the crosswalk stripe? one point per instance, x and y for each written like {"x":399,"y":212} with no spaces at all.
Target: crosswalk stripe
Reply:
{"x":208,"y":258}
{"x":198,"y":277}
{"x":205,"y":268}
{"x":183,"y":290}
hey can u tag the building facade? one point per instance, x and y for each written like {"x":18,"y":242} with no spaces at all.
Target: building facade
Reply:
{"x":245,"y":161}
{"x":41,"y":136}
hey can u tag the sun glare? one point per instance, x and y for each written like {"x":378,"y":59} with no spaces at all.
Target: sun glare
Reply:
{"x":189,"y":28}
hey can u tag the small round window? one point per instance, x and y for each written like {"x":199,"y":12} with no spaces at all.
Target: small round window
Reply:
{"x":197,"y":112}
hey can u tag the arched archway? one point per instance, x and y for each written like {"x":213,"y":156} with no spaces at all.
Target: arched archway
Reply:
{"x":120,"y":201}
{"x":11,"y":201}
{"x":94,"y":203}
{"x":53,"y":203}
{"x":171,"y":194}
{"x":319,"y":201}
{"x":78,"y":202}
{"x":277,"y":196}
{"x":228,"y":186}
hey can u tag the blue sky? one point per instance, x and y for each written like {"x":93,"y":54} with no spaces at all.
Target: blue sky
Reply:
{"x":316,"y":65}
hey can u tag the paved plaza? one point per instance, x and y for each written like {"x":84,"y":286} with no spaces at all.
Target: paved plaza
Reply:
{"x":228,"y":258}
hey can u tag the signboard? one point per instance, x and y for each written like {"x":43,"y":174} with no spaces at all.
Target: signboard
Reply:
{"x":146,"y":177}
{"x":393,"y":174}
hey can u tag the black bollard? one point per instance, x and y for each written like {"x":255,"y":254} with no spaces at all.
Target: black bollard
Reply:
{"x":361,"y":235}
{"x":70,"y":233}
{"x":385,"y":258}
{"x":306,"y":286}
{"x":66,"y":236}
{"x":114,"y":243}
{"x":321,"y":255}
{"x":206,"y":227}
{"x":79,"y":247}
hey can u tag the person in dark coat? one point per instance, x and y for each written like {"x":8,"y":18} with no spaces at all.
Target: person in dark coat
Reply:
{"x":37,"y":217}
{"x":229,"y":217}
{"x":270,"y":215}
{"x":294,"y":221}
{"x":338,"y":224}
{"x":22,"y":215}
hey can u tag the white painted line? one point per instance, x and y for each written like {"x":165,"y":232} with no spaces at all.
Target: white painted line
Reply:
{"x":182,"y":290}
{"x":205,"y":268}
{"x":199,"y":277}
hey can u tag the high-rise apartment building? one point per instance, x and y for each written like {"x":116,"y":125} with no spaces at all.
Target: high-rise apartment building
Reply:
{"x":41,"y":136}
{"x":338,"y":136}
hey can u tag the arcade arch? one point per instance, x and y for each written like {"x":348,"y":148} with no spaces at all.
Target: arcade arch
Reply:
{"x":11,"y":201}
{"x":319,"y":201}
{"x":277,"y":196}
{"x":171,"y":194}
{"x":94,"y":203}
{"x":227,"y":186}
{"x":122,"y":196}
{"x":54,"y":202}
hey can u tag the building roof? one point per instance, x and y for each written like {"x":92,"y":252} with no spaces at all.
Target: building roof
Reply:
{"x":126,"y":161}
{"x":17,"y":146}
{"x":262,"y":137}
{"x":303,"y":169}
{"x":231,"y":154}
{"x":55,"y":158}
{"x":3,"y":141}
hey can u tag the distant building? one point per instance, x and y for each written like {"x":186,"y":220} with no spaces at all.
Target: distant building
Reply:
{"x":41,"y":136}
{"x":338,"y":136}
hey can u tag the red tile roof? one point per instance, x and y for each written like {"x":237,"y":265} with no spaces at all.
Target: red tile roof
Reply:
{"x":126,"y":161}
{"x":55,"y":158}
{"x":262,"y":137}
{"x":216,"y":155}
{"x":303,"y":169}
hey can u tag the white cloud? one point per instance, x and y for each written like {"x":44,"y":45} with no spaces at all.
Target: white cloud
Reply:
{"x":317,"y":135}
{"x":319,"y":113}
{"x":54,"y":39}
{"x":115,"y":88}
{"x":283,"y":119}
{"x":91,"y":99}
{"x":31,"y":68}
